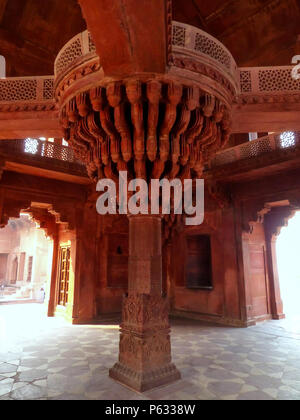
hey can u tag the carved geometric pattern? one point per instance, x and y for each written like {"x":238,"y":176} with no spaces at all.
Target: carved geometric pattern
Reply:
{"x":207,"y":46}
{"x":31,"y":146}
{"x":65,"y":153}
{"x":287,"y":139}
{"x":276,"y":80}
{"x":55,"y":151}
{"x":255,"y":148}
{"x":92,"y":46}
{"x":245,"y":80}
{"x":197,"y":41}
{"x":40,"y":148}
{"x":145,"y":347}
{"x":48,"y":89}
{"x":68,"y":56}
{"x":145,"y":311}
{"x":178,"y":36}
{"x":18,"y":89}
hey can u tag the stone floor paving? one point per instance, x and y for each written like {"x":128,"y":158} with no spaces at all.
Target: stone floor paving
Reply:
{"x":47,"y":359}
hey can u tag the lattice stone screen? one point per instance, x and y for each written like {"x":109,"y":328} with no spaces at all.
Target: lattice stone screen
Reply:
{"x":255,"y":148}
{"x":245,"y":80}
{"x":264,"y":80}
{"x":25,"y":89}
{"x":186,"y":39}
{"x":68,"y":55}
{"x":198,"y":41}
{"x":178,"y":36}
{"x":77,"y":47}
{"x":40,"y":149}
{"x":287,"y":139}
{"x":211,"y":48}
{"x":273,"y":80}
{"x":31,"y":146}
{"x":18,"y":89}
{"x":48,"y":88}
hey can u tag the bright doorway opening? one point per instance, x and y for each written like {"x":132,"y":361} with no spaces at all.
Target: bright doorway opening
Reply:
{"x":25,"y":261}
{"x":288,"y":260}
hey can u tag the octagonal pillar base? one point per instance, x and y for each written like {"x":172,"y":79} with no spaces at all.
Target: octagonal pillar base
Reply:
{"x":144,"y":381}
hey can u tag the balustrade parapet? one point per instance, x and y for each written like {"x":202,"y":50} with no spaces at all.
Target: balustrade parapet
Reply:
{"x":41,"y":150}
{"x":258,"y":147}
{"x":268,"y":81}
{"x":38,"y":89}
{"x":251,"y":83}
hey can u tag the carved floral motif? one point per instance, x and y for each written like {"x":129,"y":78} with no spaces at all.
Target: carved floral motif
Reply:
{"x":144,"y":312}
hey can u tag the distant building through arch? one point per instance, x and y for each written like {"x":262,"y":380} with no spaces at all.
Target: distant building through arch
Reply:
{"x":288,"y":243}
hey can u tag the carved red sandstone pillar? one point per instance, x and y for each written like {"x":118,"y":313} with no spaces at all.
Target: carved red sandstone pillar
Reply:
{"x":145,"y":348}
{"x":149,"y":105}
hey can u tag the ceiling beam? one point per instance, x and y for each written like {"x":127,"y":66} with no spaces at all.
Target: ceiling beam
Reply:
{"x":20,"y":125}
{"x":130,"y":36}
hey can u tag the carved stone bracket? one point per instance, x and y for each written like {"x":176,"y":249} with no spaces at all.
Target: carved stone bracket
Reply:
{"x":259,"y":211}
{"x":253,"y":212}
{"x":184,"y":126}
{"x":276,"y":219}
{"x":46,"y":221}
{"x":11,"y":208}
{"x":48,"y":214}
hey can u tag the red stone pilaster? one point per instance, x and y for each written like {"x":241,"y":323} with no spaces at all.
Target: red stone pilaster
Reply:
{"x":275,"y":295}
{"x":273,"y":222}
{"x":53,"y":284}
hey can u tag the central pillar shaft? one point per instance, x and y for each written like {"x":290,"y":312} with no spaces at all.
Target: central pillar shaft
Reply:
{"x":145,"y":348}
{"x":145,"y":259}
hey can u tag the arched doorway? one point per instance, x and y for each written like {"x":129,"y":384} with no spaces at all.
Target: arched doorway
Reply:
{"x":288,"y":261}
{"x":29,"y":259}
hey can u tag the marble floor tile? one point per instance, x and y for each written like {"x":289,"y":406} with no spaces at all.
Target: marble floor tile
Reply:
{"x":58,"y":361}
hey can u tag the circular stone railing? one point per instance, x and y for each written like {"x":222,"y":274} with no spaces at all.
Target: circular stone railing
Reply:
{"x":192,"y":39}
{"x":186,"y":40}
{"x":79,"y":46}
